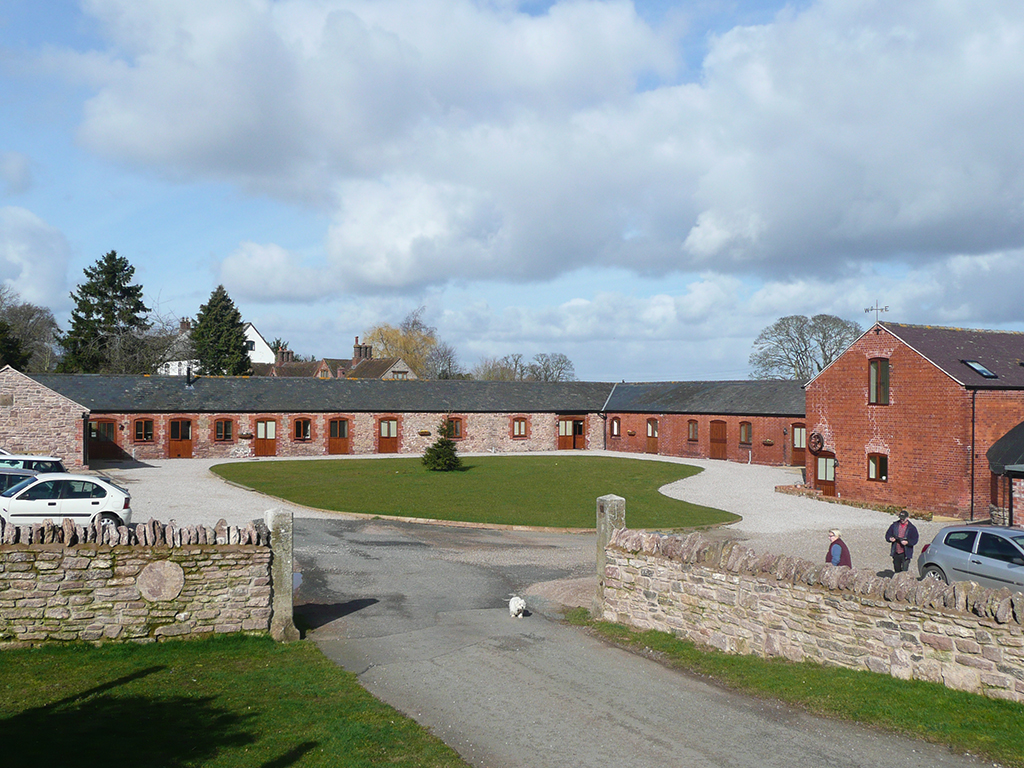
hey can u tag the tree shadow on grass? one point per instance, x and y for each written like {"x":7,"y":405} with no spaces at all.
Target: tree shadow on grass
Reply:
{"x":100,"y":728}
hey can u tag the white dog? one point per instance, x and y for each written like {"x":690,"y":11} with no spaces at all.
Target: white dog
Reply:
{"x":516,"y":606}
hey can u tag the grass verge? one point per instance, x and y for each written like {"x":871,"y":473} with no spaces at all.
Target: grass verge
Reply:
{"x":553,"y":491}
{"x":232,"y":701}
{"x":963,"y":721}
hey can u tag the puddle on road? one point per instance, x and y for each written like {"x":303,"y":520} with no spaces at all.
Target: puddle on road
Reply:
{"x":296,"y":581}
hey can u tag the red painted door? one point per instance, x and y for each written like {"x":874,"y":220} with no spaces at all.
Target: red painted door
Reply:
{"x":825,"y":473}
{"x":103,"y":440}
{"x":799,"y":454}
{"x":388,"y":436}
{"x":652,"y":436}
{"x":719,"y":446}
{"x":265,"y":443}
{"x":571,"y":434}
{"x":337,"y":441}
{"x":179,"y":446}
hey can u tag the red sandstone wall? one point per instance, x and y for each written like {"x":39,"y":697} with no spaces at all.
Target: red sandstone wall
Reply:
{"x":34,"y":419}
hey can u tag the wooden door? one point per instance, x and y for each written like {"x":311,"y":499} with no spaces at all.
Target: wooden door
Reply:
{"x":103,"y":439}
{"x":571,"y":434}
{"x":179,"y":446}
{"x":265,"y":442}
{"x":387,"y":432}
{"x":652,"y":436}
{"x":798,"y":456}
{"x":825,"y":473}
{"x":719,"y":444}
{"x":337,"y":441}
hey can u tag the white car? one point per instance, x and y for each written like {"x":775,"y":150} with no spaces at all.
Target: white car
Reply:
{"x":31,"y":461}
{"x":55,"y":496}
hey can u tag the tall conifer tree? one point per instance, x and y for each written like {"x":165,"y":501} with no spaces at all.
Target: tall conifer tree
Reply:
{"x":108,"y":322}
{"x":218,"y":340}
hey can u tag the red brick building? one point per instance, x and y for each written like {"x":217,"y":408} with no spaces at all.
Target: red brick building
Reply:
{"x":905,"y":416}
{"x":755,"y":422}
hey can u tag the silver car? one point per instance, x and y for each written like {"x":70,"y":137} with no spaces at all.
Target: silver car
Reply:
{"x":55,"y":496}
{"x":989,"y":555}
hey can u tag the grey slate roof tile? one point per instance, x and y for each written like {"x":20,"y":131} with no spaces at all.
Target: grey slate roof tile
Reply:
{"x":1002,"y":352}
{"x":169,"y":394}
{"x":745,"y":398}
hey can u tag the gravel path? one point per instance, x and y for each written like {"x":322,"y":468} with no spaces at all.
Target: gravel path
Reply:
{"x":186,"y":492}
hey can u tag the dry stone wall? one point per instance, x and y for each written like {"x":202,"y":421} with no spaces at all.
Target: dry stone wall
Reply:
{"x":726,"y":596}
{"x":68,"y":583}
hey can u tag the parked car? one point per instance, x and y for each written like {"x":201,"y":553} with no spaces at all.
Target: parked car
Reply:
{"x":992,"y":556}
{"x":30,"y":461}
{"x":10,"y":476}
{"x":55,"y":496}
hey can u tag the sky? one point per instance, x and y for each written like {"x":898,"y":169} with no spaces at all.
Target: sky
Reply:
{"x":640,"y":186}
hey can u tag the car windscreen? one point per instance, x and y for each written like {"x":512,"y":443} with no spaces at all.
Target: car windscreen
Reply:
{"x":14,"y":490}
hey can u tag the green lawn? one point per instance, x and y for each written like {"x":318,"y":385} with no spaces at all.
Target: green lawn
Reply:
{"x":232,"y":701}
{"x":557,"y":491}
{"x":930,"y":711}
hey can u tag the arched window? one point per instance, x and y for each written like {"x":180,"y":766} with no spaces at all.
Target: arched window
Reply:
{"x":616,"y":427}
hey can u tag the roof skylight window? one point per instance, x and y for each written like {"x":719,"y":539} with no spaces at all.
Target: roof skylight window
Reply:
{"x":980,"y":369}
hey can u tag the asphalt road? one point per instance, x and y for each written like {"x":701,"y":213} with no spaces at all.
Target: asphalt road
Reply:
{"x":419,"y":613}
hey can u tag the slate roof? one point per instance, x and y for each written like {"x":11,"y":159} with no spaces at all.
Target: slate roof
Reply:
{"x":1001,"y":352}
{"x":1007,"y":452}
{"x":374,"y":368}
{"x":753,"y":397}
{"x":169,"y":394}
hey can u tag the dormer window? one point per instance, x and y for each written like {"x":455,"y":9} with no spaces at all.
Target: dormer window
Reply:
{"x":979,"y":369}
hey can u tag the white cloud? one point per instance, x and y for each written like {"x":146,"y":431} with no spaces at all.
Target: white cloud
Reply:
{"x":33,"y":257}
{"x":15,"y":173}
{"x":266,"y":271}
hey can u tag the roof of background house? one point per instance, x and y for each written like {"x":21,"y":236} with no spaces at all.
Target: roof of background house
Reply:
{"x":296,"y":369}
{"x":753,"y":397}
{"x":373,"y":368}
{"x":1000,"y":352}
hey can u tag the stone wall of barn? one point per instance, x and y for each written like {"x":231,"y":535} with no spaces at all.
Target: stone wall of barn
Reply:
{"x":37,"y":420}
{"x":151,"y":582}
{"x":724,"y":595}
{"x":481,"y":432}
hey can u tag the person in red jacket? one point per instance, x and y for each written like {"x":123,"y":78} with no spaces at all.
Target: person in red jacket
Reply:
{"x":838,"y":553}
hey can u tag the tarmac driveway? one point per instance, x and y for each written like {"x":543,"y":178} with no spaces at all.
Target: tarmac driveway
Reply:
{"x":418,"y":613}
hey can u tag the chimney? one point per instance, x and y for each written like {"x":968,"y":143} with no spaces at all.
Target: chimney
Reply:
{"x":284,"y":355}
{"x":184,"y":325}
{"x":361,"y":352}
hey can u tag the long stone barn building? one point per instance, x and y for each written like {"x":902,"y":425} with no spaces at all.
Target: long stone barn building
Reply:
{"x":84,"y":418}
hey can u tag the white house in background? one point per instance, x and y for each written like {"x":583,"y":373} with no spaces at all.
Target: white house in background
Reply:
{"x":258,"y":348}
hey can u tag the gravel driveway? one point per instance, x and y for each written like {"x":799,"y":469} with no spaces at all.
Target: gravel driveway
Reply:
{"x":186,"y":492}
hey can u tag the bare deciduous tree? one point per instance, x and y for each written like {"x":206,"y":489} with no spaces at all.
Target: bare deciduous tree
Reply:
{"x":798,"y":347}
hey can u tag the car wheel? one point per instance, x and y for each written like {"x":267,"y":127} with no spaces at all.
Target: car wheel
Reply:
{"x":934,"y":572}
{"x":109,"y":518}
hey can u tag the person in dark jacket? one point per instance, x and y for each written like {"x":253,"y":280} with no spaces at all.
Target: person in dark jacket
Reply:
{"x":902,"y":536}
{"x":838,"y":553}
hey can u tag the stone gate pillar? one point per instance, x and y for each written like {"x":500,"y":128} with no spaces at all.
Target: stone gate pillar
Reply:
{"x":282,"y":625}
{"x":611,"y":515}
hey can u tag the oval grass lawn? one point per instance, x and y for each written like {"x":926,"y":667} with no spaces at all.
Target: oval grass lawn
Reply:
{"x":554,"y":491}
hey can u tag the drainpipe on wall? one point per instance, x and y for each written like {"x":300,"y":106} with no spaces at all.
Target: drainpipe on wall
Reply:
{"x":974,"y":399}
